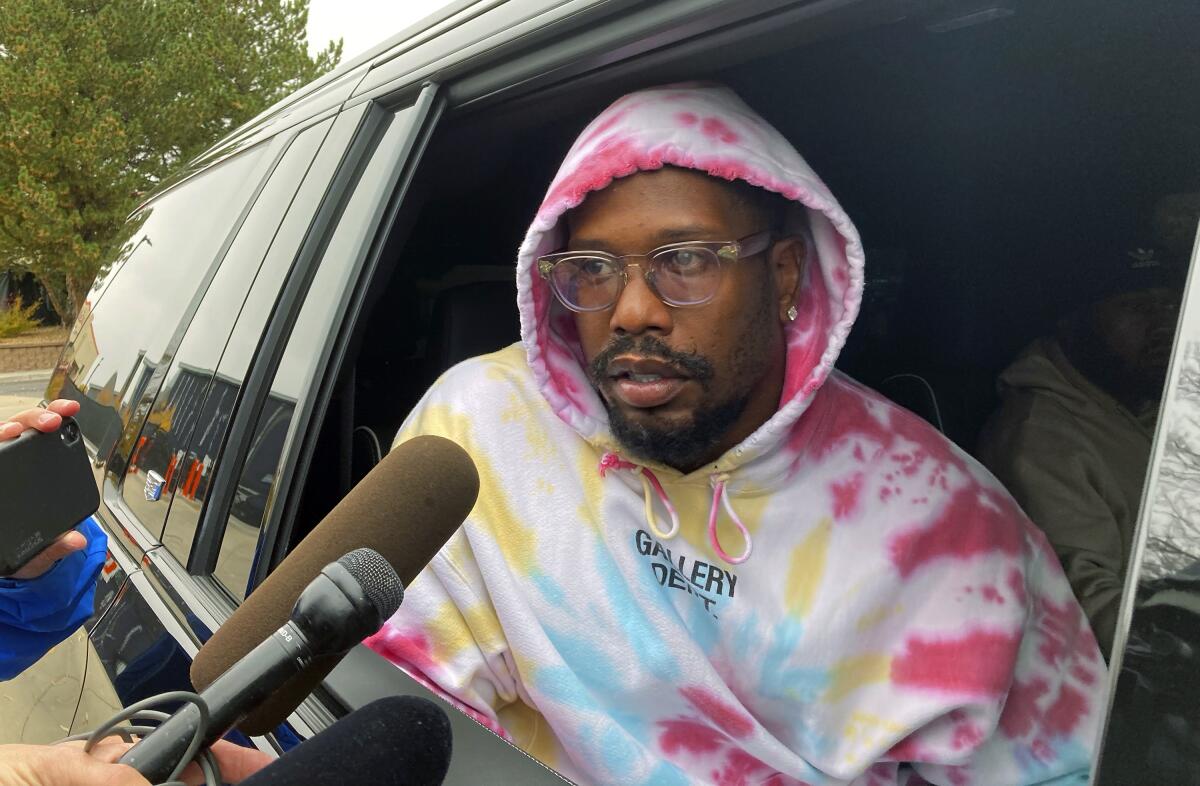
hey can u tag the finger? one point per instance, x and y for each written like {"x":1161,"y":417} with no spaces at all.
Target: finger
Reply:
{"x":236,"y":762}
{"x":10,"y":430}
{"x":64,"y":406}
{"x":64,"y":544}
{"x":40,"y":419}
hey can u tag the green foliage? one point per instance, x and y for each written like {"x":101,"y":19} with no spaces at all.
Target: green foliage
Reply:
{"x":101,"y":100}
{"x":18,"y":318}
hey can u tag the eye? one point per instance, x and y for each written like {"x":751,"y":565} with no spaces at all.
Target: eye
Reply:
{"x":687,"y":261}
{"x":594,"y":267}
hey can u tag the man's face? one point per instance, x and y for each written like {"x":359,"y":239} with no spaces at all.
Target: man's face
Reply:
{"x":683,"y":385}
{"x":1138,"y":327}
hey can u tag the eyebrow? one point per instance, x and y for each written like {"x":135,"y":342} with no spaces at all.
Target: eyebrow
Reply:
{"x":665,"y":237}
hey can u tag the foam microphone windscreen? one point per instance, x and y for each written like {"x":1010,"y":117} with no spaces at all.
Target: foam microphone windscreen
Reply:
{"x":397,"y":741}
{"x":406,"y":509}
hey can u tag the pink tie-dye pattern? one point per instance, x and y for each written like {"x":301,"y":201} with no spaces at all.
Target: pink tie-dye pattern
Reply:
{"x":414,"y":654}
{"x":711,"y":132}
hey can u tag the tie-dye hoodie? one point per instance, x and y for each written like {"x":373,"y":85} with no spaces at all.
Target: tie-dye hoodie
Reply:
{"x":896,"y":619}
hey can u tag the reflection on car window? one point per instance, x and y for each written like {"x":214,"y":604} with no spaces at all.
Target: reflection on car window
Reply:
{"x":181,"y":436}
{"x":296,"y":380}
{"x":1154,"y":729}
{"x":136,"y":304}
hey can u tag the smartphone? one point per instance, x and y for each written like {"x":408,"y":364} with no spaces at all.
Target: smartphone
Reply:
{"x":46,"y":488}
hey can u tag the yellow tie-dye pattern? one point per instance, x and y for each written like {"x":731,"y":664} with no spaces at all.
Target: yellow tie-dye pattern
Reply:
{"x":492,"y":512}
{"x":448,"y":633}
{"x":850,"y":674}
{"x":481,"y":619}
{"x":807,"y":568}
{"x":530,"y":732}
{"x":877,"y":615}
{"x":865,"y":733}
{"x":587,"y":469}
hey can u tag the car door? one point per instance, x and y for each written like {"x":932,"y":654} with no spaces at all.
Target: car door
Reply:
{"x":1153,"y":730}
{"x":142,"y":644}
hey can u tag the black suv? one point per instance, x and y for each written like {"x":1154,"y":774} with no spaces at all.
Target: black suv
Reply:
{"x":275,"y":312}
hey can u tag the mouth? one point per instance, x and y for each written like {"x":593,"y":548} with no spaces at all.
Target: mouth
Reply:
{"x":645,"y":383}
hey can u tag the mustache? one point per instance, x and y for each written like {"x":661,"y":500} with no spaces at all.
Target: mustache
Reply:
{"x":693,"y":364}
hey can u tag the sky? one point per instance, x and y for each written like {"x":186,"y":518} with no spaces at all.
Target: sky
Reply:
{"x":362,"y":23}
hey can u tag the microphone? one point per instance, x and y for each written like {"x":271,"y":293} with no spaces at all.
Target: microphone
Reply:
{"x":347,"y":602}
{"x":397,"y":741}
{"x":406,"y":509}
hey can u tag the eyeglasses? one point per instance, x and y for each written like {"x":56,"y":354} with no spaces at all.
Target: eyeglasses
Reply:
{"x":680,"y":274}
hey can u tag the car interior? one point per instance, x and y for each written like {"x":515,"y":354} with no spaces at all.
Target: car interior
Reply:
{"x":989,"y":153}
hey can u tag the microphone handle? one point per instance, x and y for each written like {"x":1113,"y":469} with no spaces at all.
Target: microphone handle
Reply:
{"x":236,"y":692}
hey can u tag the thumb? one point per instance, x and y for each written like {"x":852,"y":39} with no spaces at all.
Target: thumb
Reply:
{"x":63,"y":545}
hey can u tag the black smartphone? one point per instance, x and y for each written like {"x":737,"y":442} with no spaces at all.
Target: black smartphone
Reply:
{"x":46,"y":488}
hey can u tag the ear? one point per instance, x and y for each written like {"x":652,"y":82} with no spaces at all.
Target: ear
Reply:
{"x":787,"y":260}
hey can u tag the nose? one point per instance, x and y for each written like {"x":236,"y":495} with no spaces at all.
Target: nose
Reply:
{"x":638,"y":309}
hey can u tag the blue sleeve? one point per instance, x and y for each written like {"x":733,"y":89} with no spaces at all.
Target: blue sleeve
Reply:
{"x":36,"y":614}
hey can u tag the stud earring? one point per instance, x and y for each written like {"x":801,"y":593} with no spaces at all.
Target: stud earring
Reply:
{"x":792,"y":313}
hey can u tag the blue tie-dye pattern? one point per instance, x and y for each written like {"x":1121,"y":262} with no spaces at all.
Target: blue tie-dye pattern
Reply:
{"x":549,"y":588}
{"x":666,"y":774}
{"x":1066,"y":753}
{"x":649,"y":648}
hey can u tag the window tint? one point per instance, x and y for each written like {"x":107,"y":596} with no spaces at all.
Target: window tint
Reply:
{"x":301,"y":369}
{"x":179,"y":439}
{"x":311,"y":162}
{"x":1153,"y":731}
{"x":147,"y":292}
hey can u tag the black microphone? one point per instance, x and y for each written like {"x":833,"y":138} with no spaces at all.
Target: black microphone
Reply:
{"x":349,"y":600}
{"x":397,"y":741}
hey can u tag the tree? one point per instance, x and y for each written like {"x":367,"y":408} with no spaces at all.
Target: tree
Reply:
{"x":101,"y":100}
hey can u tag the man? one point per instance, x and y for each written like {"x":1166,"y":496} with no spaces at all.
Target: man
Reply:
{"x":699,"y":554}
{"x":1072,"y":437}
{"x":50,"y":596}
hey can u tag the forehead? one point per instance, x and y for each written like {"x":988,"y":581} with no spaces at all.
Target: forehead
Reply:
{"x":668,"y":196}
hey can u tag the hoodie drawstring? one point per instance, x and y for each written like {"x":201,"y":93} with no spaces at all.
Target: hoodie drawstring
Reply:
{"x":613,"y":461}
{"x":720,"y":498}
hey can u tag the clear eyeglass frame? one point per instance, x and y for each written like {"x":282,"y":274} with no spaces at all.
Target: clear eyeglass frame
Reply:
{"x":718,"y":252}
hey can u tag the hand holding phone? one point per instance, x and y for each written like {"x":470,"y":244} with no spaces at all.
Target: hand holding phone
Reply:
{"x":46,"y":420}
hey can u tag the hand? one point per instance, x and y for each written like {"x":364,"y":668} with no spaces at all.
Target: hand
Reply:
{"x":62,"y":765}
{"x":45,"y":420}
{"x":235,"y":761}
{"x":67,"y":765}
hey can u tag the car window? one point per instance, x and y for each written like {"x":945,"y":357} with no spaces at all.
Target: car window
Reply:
{"x":149,"y":289}
{"x":219,"y":371}
{"x":177,"y":443}
{"x":1153,"y":734}
{"x":288,"y":405}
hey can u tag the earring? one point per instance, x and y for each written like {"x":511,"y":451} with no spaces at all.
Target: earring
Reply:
{"x":792,"y":313}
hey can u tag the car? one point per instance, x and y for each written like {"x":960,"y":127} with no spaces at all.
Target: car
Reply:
{"x":274,"y":312}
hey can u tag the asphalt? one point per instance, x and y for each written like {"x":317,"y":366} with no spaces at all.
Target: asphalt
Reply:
{"x":21,"y":390}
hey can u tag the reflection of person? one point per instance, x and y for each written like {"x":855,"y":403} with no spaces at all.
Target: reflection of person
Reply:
{"x":66,"y":764}
{"x":700,"y":554}
{"x":1072,"y":436}
{"x":51,"y":595}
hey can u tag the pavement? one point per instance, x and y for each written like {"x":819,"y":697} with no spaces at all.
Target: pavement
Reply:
{"x":20,"y":390}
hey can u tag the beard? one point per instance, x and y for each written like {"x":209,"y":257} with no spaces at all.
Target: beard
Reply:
{"x":684,"y":444}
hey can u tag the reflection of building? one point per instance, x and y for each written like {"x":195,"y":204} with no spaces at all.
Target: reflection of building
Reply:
{"x":82,"y":352}
{"x":184,"y":432}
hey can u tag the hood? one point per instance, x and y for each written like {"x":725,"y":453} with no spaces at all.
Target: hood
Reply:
{"x":707,"y":128}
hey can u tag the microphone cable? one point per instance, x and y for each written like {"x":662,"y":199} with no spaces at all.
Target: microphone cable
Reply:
{"x":141,"y":711}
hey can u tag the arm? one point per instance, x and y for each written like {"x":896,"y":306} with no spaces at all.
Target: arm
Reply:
{"x":50,"y":596}
{"x":38,"y":613}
